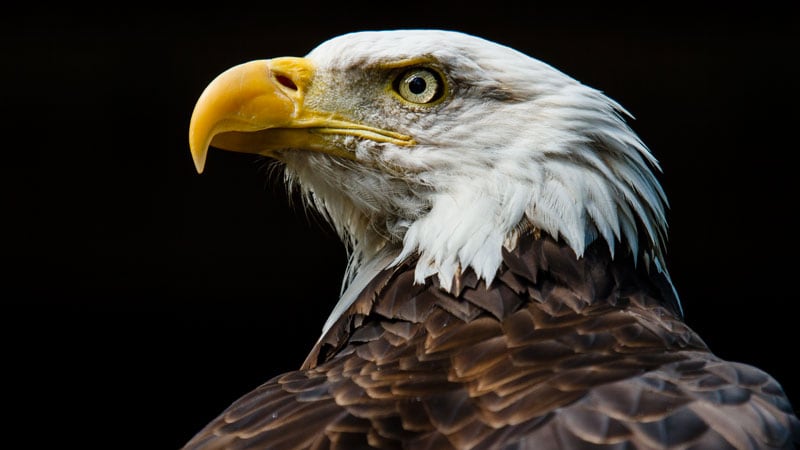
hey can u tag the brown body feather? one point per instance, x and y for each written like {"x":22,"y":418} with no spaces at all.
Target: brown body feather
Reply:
{"x":559,"y":352}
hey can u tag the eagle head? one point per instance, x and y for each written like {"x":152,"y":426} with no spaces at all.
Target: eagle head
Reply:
{"x":443,"y":147}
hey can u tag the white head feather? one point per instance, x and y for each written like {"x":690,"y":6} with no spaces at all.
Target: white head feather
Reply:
{"x":516,"y":145}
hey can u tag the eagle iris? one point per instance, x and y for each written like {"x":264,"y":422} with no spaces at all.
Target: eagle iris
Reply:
{"x":420,"y":85}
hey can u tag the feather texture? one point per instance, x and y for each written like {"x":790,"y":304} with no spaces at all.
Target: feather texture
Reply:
{"x":560,"y":352}
{"x":517,"y":145}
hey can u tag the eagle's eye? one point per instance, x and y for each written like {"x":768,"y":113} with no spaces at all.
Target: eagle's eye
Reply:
{"x":419,"y":85}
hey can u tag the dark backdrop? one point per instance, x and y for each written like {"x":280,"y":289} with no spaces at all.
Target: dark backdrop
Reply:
{"x":140,"y":299}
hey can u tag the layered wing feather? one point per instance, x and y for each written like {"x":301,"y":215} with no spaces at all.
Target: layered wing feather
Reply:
{"x":558,"y":352}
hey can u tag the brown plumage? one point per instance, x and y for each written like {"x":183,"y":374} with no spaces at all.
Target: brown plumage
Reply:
{"x":559,"y":352}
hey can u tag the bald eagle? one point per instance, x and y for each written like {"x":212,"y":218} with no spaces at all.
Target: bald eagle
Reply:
{"x":507,"y":286}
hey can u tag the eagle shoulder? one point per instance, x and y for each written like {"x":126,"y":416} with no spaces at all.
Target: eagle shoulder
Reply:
{"x":558,"y":351}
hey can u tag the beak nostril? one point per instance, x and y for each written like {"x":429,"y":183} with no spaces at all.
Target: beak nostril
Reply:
{"x":286,"y":82}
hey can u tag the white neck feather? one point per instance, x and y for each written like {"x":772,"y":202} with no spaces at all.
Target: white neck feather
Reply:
{"x":522,"y":146}
{"x":589,"y":179}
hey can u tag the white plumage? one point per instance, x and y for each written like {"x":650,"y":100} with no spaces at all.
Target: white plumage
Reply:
{"x":519,"y":145}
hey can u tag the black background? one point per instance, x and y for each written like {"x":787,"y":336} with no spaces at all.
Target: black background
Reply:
{"x":140,"y":299}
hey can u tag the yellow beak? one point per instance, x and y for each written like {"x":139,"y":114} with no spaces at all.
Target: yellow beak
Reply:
{"x":258,"y":107}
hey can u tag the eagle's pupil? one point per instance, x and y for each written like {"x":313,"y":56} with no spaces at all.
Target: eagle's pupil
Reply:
{"x":417,"y":85}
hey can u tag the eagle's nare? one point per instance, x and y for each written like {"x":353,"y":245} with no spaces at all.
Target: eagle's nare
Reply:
{"x":507,"y":285}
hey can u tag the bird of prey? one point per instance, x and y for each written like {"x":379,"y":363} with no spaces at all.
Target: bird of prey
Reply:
{"x":507,"y":285}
